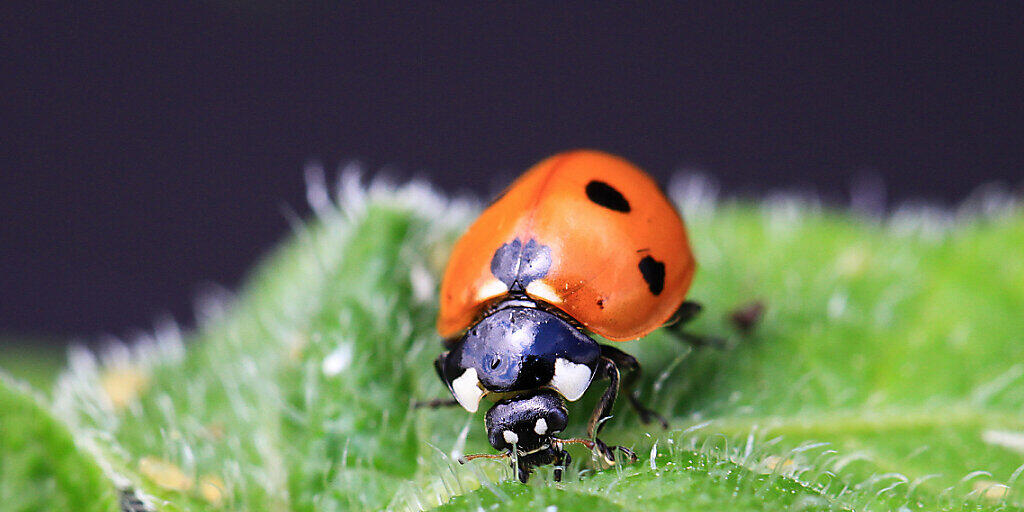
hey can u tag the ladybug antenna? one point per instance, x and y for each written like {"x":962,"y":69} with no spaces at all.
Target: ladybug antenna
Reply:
{"x":466,"y":458}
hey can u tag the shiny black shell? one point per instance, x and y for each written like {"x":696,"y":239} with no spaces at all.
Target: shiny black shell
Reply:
{"x":514,"y":348}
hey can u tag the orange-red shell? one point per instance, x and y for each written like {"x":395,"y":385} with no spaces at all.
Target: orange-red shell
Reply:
{"x":596,"y":251}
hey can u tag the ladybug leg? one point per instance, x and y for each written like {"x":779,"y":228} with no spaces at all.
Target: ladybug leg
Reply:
{"x":523,"y":473}
{"x":606,"y":368}
{"x":562,"y":460}
{"x":687,"y":311}
{"x":685,"y":314}
{"x":746,"y":317}
{"x":439,"y":366}
{"x":631,"y":367}
{"x":603,"y":411}
{"x":597,"y":445}
{"x":437,"y":402}
{"x":130,"y":501}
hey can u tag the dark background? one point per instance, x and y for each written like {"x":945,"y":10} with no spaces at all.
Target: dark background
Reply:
{"x":148,"y":149}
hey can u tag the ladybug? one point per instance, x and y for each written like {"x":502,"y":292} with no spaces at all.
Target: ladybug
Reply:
{"x":584,"y":243}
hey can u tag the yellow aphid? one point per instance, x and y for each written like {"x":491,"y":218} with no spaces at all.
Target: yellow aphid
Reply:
{"x":852,"y":262}
{"x":212,"y":489}
{"x":123,"y":385}
{"x":991,"y":491}
{"x":296,"y":343}
{"x":165,"y":474}
{"x":215,"y":431}
{"x":776,"y":464}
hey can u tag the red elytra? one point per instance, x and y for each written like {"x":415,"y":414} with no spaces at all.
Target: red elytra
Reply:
{"x":620,"y":260}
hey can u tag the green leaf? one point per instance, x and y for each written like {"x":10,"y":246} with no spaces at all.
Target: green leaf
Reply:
{"x":36,"y":362}
{"x":886,"y":374}
{"x":41,"y":468}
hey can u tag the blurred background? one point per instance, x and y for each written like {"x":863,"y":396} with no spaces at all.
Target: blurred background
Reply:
{"x":147,"y":150}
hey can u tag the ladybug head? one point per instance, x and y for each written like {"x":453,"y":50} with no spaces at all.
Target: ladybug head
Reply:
{"x":526,"y":422}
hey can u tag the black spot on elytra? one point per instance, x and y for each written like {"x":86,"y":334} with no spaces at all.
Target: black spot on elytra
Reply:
{"x":654,"y":273}
{"x":600,"y":303}
{"x":517,"y":265}
{"x":605,"y":195}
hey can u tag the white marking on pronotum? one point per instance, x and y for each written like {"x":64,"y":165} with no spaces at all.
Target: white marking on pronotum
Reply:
{"x":491,"y":288}
{"x":510,"y":437}
{"x":541,"y":427}
{"x":467,"y":390}
{"x":542,"y":290}
{"x":571,"y":379}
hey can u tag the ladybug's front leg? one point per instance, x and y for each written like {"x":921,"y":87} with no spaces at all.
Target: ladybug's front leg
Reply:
{"x":438,"y":402}
{"x":603,"y":411}
{"x":562,"y":460}
{"x":628,"y":364}
{"x":435,"y":403}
